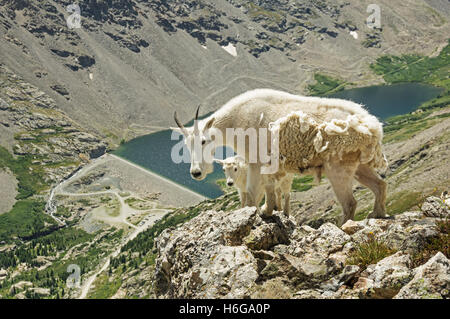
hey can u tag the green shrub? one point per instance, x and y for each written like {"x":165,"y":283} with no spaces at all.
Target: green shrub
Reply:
{"x":415,"y":68}
{"x":368,"y":252}
{"x":26,"y":219}
{"x":29,"y":182}
{"x":325,"y":85}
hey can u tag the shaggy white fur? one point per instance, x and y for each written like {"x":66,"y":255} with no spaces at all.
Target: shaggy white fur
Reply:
{"x":305,"y":142}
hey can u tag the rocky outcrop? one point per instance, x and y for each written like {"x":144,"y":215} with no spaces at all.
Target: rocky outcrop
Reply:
{"x":435,"y":207}
{"x":238,"y":254}
{"x":207,"y":251}
{"x":431,"y":280}
{"x":41,"y":130}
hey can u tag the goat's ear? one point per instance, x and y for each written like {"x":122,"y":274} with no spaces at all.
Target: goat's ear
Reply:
{"x":239,"y":158}
{"x":219,"y":161}
{"x":209,"y":124}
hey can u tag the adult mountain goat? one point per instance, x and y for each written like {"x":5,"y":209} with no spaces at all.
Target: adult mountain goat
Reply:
{"x":337,"y":137}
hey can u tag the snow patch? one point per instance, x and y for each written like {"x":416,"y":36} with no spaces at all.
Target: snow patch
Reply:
{"x":354,"y":34}
{"x":231,"y":49}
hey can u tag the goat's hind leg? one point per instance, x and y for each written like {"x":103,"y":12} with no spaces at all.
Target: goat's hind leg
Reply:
{"x":286,"y":191}
{"x":341,"y":178}
{"x":367,"y":176}
{"x":278,"y":198}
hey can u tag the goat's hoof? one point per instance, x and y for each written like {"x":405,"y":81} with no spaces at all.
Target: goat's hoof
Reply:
{"x":265,"y":212}
{"x":378,"y":215}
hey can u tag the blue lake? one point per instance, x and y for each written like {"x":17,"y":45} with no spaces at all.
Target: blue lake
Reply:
{"x":385,"y":101}
{"x":153,"y":151}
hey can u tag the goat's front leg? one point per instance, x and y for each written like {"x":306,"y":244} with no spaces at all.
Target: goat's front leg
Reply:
{"x":243,"y":196}
{"x":287,"y":204}
{"x":269,"y":205}
{"x":253,"y":185}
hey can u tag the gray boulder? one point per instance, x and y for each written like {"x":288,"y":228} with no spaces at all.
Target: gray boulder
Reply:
{"x":435,"y":207}
{"x":431,"y":280}
{"x":206,"y":258}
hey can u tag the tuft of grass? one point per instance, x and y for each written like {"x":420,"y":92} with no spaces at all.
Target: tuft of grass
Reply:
{"x":370,"y":251}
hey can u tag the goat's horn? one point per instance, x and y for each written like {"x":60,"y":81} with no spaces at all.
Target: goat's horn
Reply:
{"x":181,"y":126}
{"x":196,"y":112}
{"x":196,"y":120}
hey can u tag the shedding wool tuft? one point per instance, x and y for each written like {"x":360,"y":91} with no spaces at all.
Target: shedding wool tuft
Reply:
{"x":304,"y":142}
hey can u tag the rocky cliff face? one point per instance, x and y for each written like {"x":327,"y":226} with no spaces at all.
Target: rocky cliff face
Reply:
{"x":237,"y":254}
{"x":133,"y":62}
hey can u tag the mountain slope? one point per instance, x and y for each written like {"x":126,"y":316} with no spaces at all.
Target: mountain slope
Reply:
{"x":133,"y":62}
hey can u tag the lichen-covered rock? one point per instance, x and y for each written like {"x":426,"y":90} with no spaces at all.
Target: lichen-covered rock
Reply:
{"x":431,"y":280}
{"x":266,"y":235}
{"x":384,"y":279}
{"x":410,"y":232}
{"x":350,"y":227}
{"x":347,"y":275}
{"x":392,"y":272}
{"x":205,"y":257}
{"x":327,"y":239}
{"x":435,"y":207}
{"x":309,"y":294}
{"x":304,"y":272}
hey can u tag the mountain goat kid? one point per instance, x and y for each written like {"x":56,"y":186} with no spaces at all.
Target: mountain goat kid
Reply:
{"x":235,"y":170}
{"x":335,"y":136}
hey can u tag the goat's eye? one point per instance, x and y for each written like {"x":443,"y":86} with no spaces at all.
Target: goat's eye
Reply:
{"x":203,"y":142}
{"x":235,"y":169}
